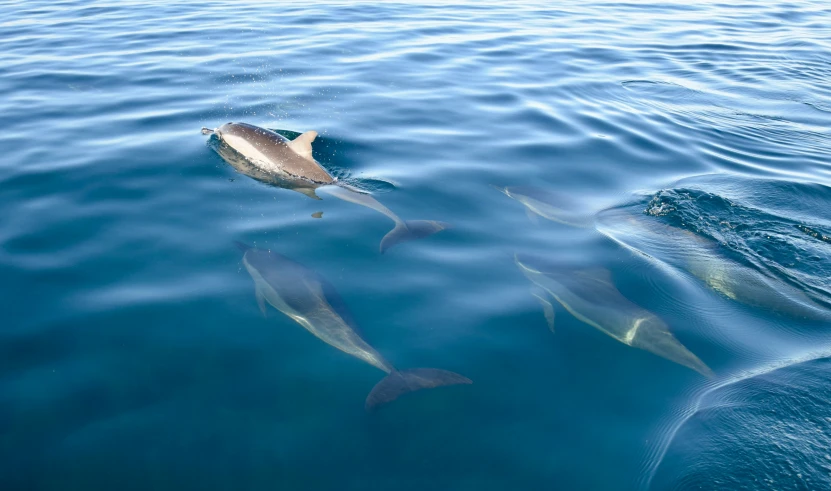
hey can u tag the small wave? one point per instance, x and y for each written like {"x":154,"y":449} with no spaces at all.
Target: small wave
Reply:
{"x":818,"y":106}
{"x":661,"y":89}
{"x":762,"y":125}
{"x":782,"y":393}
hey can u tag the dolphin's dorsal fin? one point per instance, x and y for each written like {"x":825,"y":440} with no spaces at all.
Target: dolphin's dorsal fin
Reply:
{"x":302,"y":145}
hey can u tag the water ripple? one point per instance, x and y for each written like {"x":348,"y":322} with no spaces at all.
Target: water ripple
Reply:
{"x":128,"y":314}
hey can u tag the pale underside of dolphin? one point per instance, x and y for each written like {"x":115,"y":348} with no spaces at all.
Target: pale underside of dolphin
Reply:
{"x":270,"y":157}
{"x":590,"y":296}
{"x":311,"y":301}
{"x":700,"y":257}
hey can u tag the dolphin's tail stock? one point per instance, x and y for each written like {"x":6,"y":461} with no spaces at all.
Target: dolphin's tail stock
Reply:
{"x":403,"y":230}
{"x":411,"y":230}
{"x":399,"y":383}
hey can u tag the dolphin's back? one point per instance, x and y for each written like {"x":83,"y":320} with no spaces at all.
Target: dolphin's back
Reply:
{"x":591,"y":297}
{"x":299,"y":274}
{"x":311,"y":301}
{"x":301,"y":288}
{"x":700,"y":256}
{"x":271,"y":150}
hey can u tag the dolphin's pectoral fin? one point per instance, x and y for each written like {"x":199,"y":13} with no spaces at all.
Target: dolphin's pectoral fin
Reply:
{"x":310,"y":192}
{"x":399,"y":383}
{"x":547,"y":306}
{"x":302,"y":145}
{"x":411,"y":230}
{"x":258,"y":292}
{"x":535,"y":219}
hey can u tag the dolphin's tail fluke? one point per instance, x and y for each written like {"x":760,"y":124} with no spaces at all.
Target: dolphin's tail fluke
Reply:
{"x":411,"y":230}
{"x":399,"y":383}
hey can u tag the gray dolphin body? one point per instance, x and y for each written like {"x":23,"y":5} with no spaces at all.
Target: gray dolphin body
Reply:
{"x":680,"y":249}
{"x":539,"y":202}
{"x":590,"y":296}
{"x":311,"y":301}
{"x":270,"y":157}
{"x":700,"y":257}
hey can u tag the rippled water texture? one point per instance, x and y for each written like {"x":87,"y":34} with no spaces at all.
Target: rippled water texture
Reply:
{"x":689,"y":144}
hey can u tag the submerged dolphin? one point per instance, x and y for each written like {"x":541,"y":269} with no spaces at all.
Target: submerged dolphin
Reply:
{"x":311,"y":301}
{"x":700,"y":257}
{"x":590,"y":296}
{"x":539,"y":202}
{"x":672,"y":247}
{"x":270,"y":157}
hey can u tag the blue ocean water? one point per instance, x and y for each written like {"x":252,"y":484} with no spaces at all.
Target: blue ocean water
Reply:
{"x":692,"y":139}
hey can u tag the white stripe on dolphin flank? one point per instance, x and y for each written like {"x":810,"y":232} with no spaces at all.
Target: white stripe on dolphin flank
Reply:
{"x":590,"y":296}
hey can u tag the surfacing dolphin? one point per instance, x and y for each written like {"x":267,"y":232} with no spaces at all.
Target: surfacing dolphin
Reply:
{"x":270,"y":157}
{"x":311,"y":301}
{"x":590,"y":296}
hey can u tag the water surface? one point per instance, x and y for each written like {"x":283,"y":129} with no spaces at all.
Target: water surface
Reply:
{"x":132,"y":351}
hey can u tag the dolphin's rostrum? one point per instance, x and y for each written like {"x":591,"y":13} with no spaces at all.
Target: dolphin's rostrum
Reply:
{"x":311,"y":301}
{"x":270,"y":157}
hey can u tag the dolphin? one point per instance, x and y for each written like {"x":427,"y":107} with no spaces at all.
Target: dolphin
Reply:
{"x":590,"y":296}
{"x":311,"y":301}
{"x":679,"y":249}
{"x":700,"y":256}
{"x":540,"y":203}
{"x":270,"y":157}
